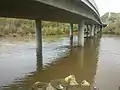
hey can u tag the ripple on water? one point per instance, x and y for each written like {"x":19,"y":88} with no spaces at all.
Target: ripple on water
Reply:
{"x":98,"y":61}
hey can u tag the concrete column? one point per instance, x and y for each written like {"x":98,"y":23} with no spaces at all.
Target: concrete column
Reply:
{"x":96,"y":32}
{"x":100,"y":30}
{"x":87,"y":30}
{"x":38,"y":40}
{"x":71,"y":34}
{"x":81,"y":33}
{"x":92,"y":30}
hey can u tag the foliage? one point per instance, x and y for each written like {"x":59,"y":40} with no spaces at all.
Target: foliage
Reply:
{"x":112,"y":28}
{"x":21,"y":27}
{"x":113,"y":23}
{"x":114,"y":17}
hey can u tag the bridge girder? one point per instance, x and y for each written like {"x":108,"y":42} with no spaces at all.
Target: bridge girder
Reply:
{"x":49,"y":10}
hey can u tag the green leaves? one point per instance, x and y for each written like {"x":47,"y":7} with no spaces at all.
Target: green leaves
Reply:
{"x":11,"y":26}
{"x":112,"y":28}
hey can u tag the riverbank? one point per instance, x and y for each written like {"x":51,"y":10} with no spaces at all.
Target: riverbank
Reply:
{"x":23,"y":27}
{"x":113,"y":21}
{"x":10,"y":27}
{"x":112,"y":28}
{"x":32,"y":38}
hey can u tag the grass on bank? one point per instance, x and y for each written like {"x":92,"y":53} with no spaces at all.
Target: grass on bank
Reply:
{"x":24,"y":27}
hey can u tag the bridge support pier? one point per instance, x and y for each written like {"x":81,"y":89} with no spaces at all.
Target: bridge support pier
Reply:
{"x":95,"y":30}
{"x":81,"y":33}
{"x":88,"y":31}
{"x":92,"y":31}
{"x":71,"y":34}
{"x":100,"y":31}
{"x":38,"y":39}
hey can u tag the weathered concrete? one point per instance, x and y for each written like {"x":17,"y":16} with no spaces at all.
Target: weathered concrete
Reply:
{"x":92,"y":30}
{"x":101,"y":27}
{"x":77,"y":6}
{"x":71,"y":10}
{"x":96,"y":29}
{"x":99,"y":31}
{"x":81,"y":33}
{"x":87,"y":31}
{"x":38,"y":38}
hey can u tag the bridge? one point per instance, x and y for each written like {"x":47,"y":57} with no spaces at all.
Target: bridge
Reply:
{"x":82,"y":12}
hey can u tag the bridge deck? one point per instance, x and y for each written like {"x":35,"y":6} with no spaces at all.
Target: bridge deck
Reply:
{"x":49,"y":10}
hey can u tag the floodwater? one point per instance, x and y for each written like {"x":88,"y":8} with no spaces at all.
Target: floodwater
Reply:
{"x":98,"y":62}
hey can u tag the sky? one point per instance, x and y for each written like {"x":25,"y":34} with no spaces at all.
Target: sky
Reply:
{"x":108,"y":6}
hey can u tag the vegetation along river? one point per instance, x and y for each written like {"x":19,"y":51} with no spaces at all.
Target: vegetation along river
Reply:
{"x":98,"y":62}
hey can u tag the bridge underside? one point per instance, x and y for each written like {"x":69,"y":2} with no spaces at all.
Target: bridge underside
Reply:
{"x":29,"y":9}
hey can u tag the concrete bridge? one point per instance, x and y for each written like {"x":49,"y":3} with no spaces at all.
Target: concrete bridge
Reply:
{"x":82,"y":12}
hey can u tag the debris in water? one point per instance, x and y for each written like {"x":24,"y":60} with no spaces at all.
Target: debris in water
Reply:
{"x":71,"y":80}
{"x":85,"y":83}
{"x":61,"y":84}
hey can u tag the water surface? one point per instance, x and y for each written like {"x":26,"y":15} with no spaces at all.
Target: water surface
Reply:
{"x":98,"y":62}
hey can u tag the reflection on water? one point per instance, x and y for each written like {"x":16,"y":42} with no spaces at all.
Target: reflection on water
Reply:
{"x":19,"y":67}
{"x":78,"y":61}
{"x":108,"y":70}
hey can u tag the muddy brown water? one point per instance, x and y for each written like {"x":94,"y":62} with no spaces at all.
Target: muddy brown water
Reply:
{"x":98,"y":62}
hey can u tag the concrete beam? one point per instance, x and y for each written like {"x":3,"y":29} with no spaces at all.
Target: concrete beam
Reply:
{"x":79,"y":7}
{"x":71,"y":10}
{"x":81,"y":33}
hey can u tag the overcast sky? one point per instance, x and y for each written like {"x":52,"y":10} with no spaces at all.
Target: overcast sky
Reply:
{"x":108,"y":6}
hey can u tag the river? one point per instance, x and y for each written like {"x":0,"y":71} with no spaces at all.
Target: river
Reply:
{"x":98,"y":62}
